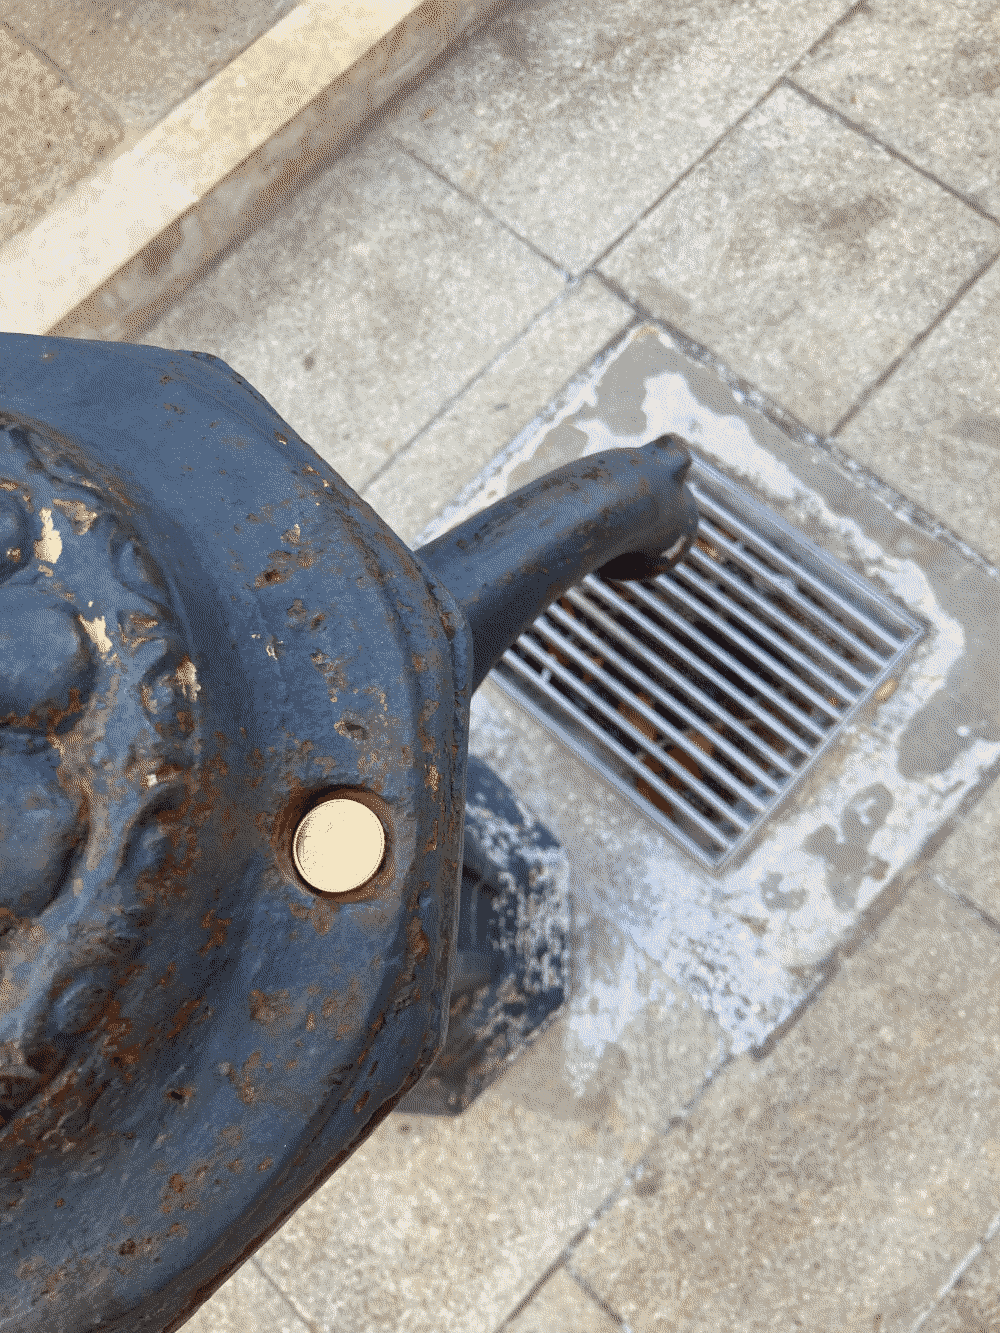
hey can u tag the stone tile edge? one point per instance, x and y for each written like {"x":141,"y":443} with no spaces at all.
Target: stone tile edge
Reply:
{"x":135,"y":232}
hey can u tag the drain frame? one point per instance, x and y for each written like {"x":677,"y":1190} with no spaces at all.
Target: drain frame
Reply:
{"x":751,"y":942}
{"x":828,"y":580}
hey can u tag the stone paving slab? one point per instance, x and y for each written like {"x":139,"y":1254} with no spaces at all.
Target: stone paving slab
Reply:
{"x":569,"y":121}
{"x":923,"y":77}
{"x":838,"y":1183}
{"x":969,"y":861}
{"x":248,"y":1303}
{"x":973,"y":1304}
{"x":376,"y":277}
{"x":114,"y":249}
{"x":933,"y":429}
{"x":561,"y":1306}
{"x":50,"y":133}
{"x":143,"y":57}
{"x":803,"y":255}
{"x":449,"y":453}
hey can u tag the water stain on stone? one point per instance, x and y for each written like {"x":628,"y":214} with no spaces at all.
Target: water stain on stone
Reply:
{"x":966,"y":708}
{"x":618,"y":406}
{"x":665,"y":302}
{"x":972,"y":70}
{"x":563,"y":444}
{"x":979,"y":429}
{"x":648,"y":1182}
{"x":847,"y":856}
{"x":621,"y":391}
{"x":773,"y":897}
{"x":851,"y":222}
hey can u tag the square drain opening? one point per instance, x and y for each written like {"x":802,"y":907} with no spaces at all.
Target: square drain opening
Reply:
{"x":705,"y":695}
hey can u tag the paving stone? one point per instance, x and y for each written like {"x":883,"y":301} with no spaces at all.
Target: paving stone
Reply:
{"x":804,"y":256}
{"x":50,"y":134}
{"x":444,"y":1224}
{"x":450,"y":453}
{"x":969,"y":862}
{"x":364,"y":306}
{"x":143,"y":56}
{"x":248,"y":1303}
{"x":933,"y":429}
{"x":839,"y":1182}
{"x":561,"y":1306}
{"x":568,"y":120}
{"x":973,"y":1304}
{"x":923,"y":77}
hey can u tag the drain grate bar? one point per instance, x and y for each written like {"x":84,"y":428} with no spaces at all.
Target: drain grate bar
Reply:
{"x":710,"y":828}
{"x":622,"y":723}
{"x":704,"y":695}
{"x":741,"y":700}
{"x":801,"y":575}
{"x":776,"y":615}
{"x":721,"y":615}
{"x":743,"y":671}
{"x":646,"y":681}
{"x":783,"y":584}
{"x":697,"y":696}
{"x":633,"y":703}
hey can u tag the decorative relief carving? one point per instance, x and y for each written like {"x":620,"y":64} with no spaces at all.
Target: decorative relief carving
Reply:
{"x":99,"y":736}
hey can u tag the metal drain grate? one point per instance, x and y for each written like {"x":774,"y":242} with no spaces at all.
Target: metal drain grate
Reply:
{"x":704,"y":695}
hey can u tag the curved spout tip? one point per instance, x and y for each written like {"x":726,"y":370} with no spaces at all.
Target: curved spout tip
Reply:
{"x":625,"y":512}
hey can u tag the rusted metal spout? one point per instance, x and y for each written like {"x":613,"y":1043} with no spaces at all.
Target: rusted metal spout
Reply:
{"x":625,"y":512}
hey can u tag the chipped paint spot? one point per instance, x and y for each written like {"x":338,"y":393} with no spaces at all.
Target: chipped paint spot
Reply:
{"x":81,"y":518}
{"x":187,"y":679}
{"x":332,"y":672}
{"x":268,"y":1007}
{"x":97,"y":629}
{"x":217,"y":929}
{"x":49,"y":546}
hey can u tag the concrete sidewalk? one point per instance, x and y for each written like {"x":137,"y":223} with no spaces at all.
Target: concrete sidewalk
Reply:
{"x":140,"y":145}
{"x":810,"y":196}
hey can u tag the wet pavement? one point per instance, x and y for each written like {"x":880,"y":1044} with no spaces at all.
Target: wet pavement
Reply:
{"x":753,"y":1112}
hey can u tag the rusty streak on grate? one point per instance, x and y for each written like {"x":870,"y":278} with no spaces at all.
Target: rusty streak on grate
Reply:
{"x":704,"y":695}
